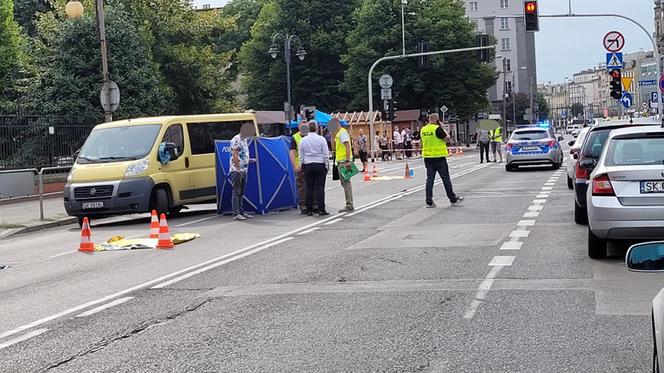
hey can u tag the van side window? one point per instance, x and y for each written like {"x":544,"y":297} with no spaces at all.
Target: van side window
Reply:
{"x":175,"y":135}
{"x":202,"y":135}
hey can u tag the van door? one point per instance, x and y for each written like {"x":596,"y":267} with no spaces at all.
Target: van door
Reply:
{"x":176,"y":172}
{"x":202,"y":136}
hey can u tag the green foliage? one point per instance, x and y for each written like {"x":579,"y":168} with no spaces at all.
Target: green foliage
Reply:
{"x":27,"y":11}
{"x":322,"y":27}
{"x":10,"y":50}
{"x":577,"y":110}
{"x":455,"y":80}
{"x":522,"y":102}
{"x":241,"y":15}
{"x":543,"y":106}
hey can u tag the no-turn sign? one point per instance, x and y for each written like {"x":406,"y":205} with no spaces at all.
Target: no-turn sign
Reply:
{"x":614,"y":41}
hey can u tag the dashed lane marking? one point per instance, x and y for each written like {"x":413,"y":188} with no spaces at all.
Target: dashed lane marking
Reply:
{"x":511,"y":245}
{"x":520,"y":233}
{"x":531,"y":214}
{"x":539,"y":201}
{"x":482,"y":291}
{"x":502,"y":261}
{"x":105,"y":306}
{"x":308,"y":231}
{"x":526,"y":223}
{"x":335,"y":221}
{"x":536,"y":208}
{"x":22,"y":338}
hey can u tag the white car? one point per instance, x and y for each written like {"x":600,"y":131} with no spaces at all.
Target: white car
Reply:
{"x":649,"y":257}
{"x":574,"y":155}
{"x":576,"y":130}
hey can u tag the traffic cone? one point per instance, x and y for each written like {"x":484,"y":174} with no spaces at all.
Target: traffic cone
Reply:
{"x":375,"y":171}
{"x":154,"y":225}
{"x":86,"y":238}
{"x":366,"y":175}
{"x":407,"y":174}
{"x":164,"y":238}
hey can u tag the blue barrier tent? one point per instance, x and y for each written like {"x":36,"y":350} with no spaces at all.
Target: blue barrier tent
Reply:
{"x":320,"y":117}
{"x":270,"y":181}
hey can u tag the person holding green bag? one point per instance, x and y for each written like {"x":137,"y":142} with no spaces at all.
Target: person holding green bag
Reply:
{"x":343,"y":154}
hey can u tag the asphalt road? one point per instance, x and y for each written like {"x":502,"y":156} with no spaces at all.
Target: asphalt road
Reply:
{"x":502,"y":283}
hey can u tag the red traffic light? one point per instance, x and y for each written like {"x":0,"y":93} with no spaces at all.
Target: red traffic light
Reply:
{"x":531,"y":7}
{"x":615,"y":74}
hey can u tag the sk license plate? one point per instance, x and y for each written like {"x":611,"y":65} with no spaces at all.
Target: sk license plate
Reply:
{"x":93,"y":205}
{"x":652,"y":187}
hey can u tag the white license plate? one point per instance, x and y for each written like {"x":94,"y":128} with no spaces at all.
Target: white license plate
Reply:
{"x":530,"y":149}
{"x":652,"y":187}
{"x":93,"y":205}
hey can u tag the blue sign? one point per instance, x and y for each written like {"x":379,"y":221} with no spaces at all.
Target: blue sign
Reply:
{"x":614,"y":61}
{"x":627,"y":100}
{"x":646,"y":83}
{"x":654,"y":97}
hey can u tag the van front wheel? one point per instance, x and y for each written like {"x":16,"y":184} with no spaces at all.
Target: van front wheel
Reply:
{"x":160,"y":201}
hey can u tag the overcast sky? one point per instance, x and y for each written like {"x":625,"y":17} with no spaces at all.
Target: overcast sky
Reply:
{"x":568,"y":45}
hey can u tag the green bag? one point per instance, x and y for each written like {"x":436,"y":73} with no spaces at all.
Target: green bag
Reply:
{"x":347,"y":174}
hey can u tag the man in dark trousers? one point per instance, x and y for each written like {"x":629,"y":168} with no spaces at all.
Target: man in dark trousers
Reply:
{"x":314,"y":158}
{"x":434,"y":152}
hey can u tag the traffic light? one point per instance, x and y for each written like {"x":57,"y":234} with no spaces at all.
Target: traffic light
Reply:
{"x":483,"y":55}
{"x":422,"y":47}
{"x":531,"y":16}
{"x":616,"y":84}
{"x":391,"y":110}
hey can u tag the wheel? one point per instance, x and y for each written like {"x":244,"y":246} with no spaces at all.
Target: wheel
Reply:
{"x":580,"y":214}
{"x":556,"y":166}
{"x":510,"y":168}
{"x":160,"y":201}
{"x":596,"y":246}
{"x":570,"y":183}
{"x":175,"y":210}
{"x":79,"y":220}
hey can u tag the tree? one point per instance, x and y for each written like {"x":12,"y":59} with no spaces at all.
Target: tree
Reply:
{"x":27,"y":11}
{"x":323,"y":26}
{"x":522,"y":103}
{"x":241,"y":14}
{"x":10,"y":50}
{"x":455,"y":80}
{"x":543,"y":106}
{"x":577,"y":110}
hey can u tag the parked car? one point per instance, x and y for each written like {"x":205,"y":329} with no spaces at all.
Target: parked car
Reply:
{"x":574,"y":155}
{"x":576,"y":129}
{"x":532,"y":146}
{"x":649,"y":257}
{"x":588,"y":156}
{"x":626,"y":197}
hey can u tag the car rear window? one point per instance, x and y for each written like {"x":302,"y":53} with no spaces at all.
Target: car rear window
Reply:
{"x":530,"y":135}
{"x":635,"y":151}
{"x":594,"y":143}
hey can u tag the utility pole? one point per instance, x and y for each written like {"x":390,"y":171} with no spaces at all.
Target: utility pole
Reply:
{"x":101,"y":25}
{"x":403,"y":27}
{"x":504,"y":96}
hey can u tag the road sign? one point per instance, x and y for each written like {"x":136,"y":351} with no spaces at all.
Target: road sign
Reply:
{"x":114,"y":102}
{"x":386,"y":81}
{"x":614,"y":41}
{"x":386,"y":94}
{"x":444,"y":109}
{"x":386,"y":105}
{"x":661,"y":83}
{"x":614,"y":61}
{"x":627,"y":83}
{"x":646,"y":83}
{"x":654,"y":97}
{"x":627,"y":100}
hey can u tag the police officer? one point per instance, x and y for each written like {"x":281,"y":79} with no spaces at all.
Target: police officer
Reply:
{"x":343,"y":155}
{"x":434,"y":152}
{"x":496,"y":144}
{"x":295,"y":160}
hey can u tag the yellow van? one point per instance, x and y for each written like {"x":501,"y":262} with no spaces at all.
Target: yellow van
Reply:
{"x":136,"y":165}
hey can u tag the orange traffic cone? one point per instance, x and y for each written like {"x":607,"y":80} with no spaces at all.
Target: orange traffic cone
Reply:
{"x":164,"y":238}
{"x":366,"y":175}
{"x":154,"y":225}
{"x":375,"y":171}
{"x":407,"y":175}
{"x":86,"y":238}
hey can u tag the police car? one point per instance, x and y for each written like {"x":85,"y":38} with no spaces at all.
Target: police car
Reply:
{"x":533,"y":146}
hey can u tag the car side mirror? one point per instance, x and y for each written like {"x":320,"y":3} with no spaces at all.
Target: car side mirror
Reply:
{"x":171,"y":153}
{"x":646,"y":257}
{"x":575,"y":155}
{"x":560,"y":138}
{"x":571,"y":143}
{"x":587,"y":163}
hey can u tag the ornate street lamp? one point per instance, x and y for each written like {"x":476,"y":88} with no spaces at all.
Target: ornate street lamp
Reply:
{"x":288,"y":45}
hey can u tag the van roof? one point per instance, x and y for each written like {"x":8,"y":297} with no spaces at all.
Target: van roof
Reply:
{"x":179,"y":118}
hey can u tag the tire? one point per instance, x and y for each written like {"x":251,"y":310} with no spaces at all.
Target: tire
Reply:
{"x":556,"y":166}
{"x":175,"y":211}
{"x":160,"y":201}
{"x":596,"y":246}
{"x":510,"y":168}
{"x":79,"y":220}
{"x":570,"y":183}
{"x":580,"y":214}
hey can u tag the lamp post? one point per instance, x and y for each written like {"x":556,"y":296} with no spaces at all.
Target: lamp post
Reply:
{"x":403,"y":27}
{"x":74,"y":9}
{"x":301,"y":53}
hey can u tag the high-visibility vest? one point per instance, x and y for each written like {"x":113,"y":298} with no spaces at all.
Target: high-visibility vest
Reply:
{"x":497,"y":135}
{"x":297,"y":138}
{"x":340,"y":149}
{"x":432,"y":146}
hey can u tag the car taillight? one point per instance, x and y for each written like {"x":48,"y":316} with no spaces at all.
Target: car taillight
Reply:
{"x":550,"y":143}
{"x":602,"y":186}
{"x":508,"y":147}
{"x":581,"y":172}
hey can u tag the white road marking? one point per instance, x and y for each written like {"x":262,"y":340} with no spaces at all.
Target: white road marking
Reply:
{"x":542,"y":196}
{"x":502,"y":261}
{"x":63,"y":254}
{"x":482,"y":291}
{"x":520,"y":233}
{"x":526,"y":223}
{"x":22,"y":338}
{"x":308,"y":231}
{"x":531,"y":214}
{"x":547,"y":188}
{"x":197,"y":221}
{"x":549,"y":184}
{"x":511,"y":245}
{"x":334,"y":221}
{"x":539,"y":201}
{"x":535,"y":208}
{"x":105,"y":306}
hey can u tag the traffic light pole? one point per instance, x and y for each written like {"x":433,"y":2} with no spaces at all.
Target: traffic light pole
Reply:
{"x":388,"y":58}
{"x":652,"y":40}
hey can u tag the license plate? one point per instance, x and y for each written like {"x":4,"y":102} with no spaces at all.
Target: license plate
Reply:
{"x":652,"y":187}
{"x":93,"y":205}
{"x":530,"y":149}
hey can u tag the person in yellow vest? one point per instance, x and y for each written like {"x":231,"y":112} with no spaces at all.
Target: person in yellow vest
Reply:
{"x":343,"y":154}
{"x":434,"y":152}
{"x":496,"y":144}
{"x":295,"y":160}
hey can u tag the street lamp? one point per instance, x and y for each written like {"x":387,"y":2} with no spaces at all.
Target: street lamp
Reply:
{"x":288,"y":45}
{"x":74,"y":10}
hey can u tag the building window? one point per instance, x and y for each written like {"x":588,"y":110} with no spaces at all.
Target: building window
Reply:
{"x":473,"y":5}
{"x":507,"y":64}
{"x":505,"y":44}
{"x":504,"y":23}
{"x":509,"y":88}
{"x":503,"y":4}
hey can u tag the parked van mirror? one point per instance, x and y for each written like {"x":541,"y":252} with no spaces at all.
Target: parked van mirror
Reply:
{"x":168,"y":152}
{"x":646,"y":257}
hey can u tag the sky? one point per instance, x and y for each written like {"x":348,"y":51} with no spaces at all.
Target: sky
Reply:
{"x":568,"y":45}
{"x":213,"y":3}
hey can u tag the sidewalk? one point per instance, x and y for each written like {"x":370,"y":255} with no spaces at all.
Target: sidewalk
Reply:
{"x":23,"y":216}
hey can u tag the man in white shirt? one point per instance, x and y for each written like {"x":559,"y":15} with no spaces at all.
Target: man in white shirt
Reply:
{"x":398,"y":142}
{"x":314,"y":157}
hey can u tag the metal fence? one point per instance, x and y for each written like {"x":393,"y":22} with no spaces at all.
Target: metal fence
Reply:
{"x":36,"y":141}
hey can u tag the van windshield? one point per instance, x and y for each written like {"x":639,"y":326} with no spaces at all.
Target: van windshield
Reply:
{"x":118,"y":144}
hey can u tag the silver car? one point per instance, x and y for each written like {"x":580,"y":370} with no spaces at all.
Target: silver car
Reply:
{"x":574,"y":155}
{"x":625,"y":196}
{"x":532,"y":146}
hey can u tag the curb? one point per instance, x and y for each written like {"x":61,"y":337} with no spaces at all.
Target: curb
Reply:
{"x":37,"y":227}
